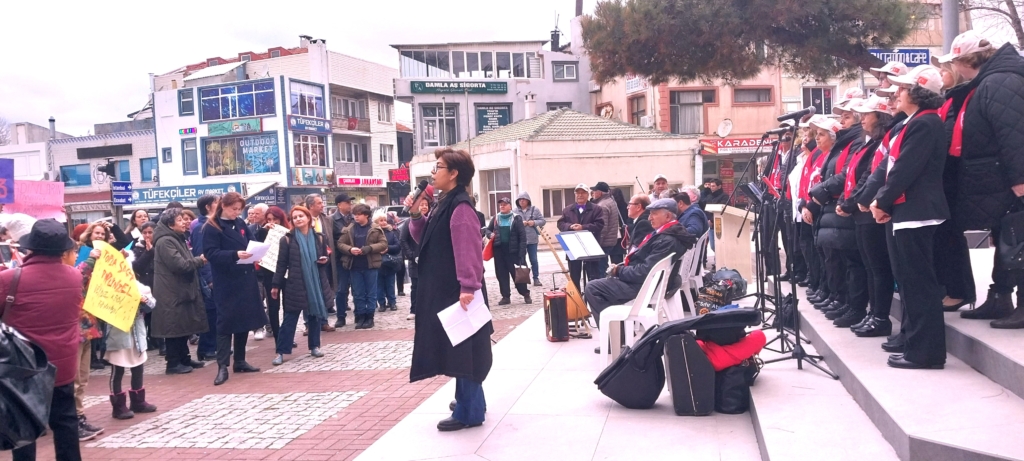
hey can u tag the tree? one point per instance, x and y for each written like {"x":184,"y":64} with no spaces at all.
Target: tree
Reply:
{"x":5,"y":132}
{"x":735,"y":39}
{"x":1003,"y":12}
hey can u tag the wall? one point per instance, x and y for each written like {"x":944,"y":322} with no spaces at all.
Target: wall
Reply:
{"x":29,"y":159}
{"x":65,"y":152}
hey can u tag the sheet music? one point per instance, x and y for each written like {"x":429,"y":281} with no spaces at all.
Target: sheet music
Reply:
{"x":460,"y":324}
{"x":572,"y":245}
{"x":590,"y":244}
{"x":269,"y":261}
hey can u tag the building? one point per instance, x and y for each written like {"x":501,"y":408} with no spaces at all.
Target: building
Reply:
{"x":29,"y":148}
{"x":277,"y":125}
{"x":547,"y":155}
{"x":462,"y":90}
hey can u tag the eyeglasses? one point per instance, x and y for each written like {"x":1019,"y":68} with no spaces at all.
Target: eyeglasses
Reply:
{"x":438,"y":167}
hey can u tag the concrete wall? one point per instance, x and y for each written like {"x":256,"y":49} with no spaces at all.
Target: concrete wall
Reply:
{"x":29,"y":159}
{"x":65,"y":152}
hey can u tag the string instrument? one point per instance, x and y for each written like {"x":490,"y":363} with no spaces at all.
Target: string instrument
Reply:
{"x":575,"y":307}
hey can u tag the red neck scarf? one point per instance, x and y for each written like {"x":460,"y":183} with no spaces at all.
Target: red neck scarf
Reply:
{"x":851,"y":171}
{"x":957,"y":141}
{"x":648,"y":238}
{"x":809,"y":177}
{"x":894,"y":153}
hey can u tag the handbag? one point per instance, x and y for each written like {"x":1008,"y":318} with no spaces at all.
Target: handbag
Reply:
{"x":26,"y":384}
{"x":1010,"y":246}
{"x":522,"y":275}
{"x":489,"y":250}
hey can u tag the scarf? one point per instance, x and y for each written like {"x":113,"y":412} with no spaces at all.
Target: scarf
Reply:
{"x":897,"y":144}
{"x":311,"y":273}
{"x":648,"y":238}
{"x":957,"y":141}
{"x":505,"y":227}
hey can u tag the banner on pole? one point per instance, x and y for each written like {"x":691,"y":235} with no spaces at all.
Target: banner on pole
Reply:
{"x":113,"y":295}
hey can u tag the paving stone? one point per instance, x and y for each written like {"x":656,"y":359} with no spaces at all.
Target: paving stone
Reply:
{"x":376,"y":355}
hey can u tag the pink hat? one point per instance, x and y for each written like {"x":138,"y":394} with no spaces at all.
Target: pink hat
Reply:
{"x":965,"y":43}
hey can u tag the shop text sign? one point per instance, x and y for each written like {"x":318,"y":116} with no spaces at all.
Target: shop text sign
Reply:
{"x":242,"y":126}
{"x":459,"y":87}
{"x":184,"y":194}
{"x":912,"y":57}
{"x":490,"y":118}
{"x":360,"y":181}
{"x":315,"y":125}
{"x":398,"y":174}
{"x":734,"y":145}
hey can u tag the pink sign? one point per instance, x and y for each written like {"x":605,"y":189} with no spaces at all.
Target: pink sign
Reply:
{"x":38,"y":199}
{"x":360,"y":181}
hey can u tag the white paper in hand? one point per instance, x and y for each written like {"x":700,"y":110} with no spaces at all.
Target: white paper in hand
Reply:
{"x":461,"y":324}
{"x":257,"y":250}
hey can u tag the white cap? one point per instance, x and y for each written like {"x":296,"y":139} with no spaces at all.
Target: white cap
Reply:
{"x":581,"y":186}
{"x":965,"y":43}
{"x":927,"y":76}
{"x":825,"y":123}
{"x":853,"y":93}
{"x":886,"y":92}
{"x":873,"y":104}
{"x":845,"y":105}
{"x":891,"y":68}
{"x":788,"y":123}
{"x":660,"y":176}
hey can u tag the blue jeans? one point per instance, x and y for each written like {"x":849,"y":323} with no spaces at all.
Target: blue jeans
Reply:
{"x":531,"y":249}
{"x":470,"y":405}
{"x":287,"y":332}
{"x":341,"y":299}
{"x":386,"y":287}
{"x":364,"y":290}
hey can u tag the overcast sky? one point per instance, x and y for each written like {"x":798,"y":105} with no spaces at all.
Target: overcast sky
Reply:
{"x":86,"y":64}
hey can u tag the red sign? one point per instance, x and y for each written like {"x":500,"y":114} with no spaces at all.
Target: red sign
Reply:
{"x":398,"y":174}
{"x":360,"y":181}
{"x":733,"y":145}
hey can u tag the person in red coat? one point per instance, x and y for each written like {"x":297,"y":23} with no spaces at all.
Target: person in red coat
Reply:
{"x":46,"y":308}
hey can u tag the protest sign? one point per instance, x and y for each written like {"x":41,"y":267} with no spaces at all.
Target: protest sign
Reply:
{"x":113,"y":295}
{"x":269,"y":261}
{"x":39,"y":199}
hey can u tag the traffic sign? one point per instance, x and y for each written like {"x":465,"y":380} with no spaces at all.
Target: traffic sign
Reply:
{"x":124,"y":187}
{"x":122,"y":199}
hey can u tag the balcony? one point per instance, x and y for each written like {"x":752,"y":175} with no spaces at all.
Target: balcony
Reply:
{"x":350,"y":124}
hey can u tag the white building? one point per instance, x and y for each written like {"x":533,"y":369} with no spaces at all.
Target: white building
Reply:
{"x":28,"y":148}
{"x":301,"y":120}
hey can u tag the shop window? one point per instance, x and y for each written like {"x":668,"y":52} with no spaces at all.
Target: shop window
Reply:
{"x":387,"y":153}
{"x":166,"y":155}
{"x":245,"y":155}
{"x":186,"y":102}
{"x":686,"y":110}
{"x":147,"y":166}
{"x":307,"y":100}
{"x":249,"y":99}
{"x":564,"y":71}
{"x":499,"y":185}
{"x":751,"y":95}
{"x":310,"y":150}
{"x":440,"y":125}
{"x":820,"y":98}
{"x":124,"y":171}
{"x":637,"y":109}
{"x":76,"y":175}
{"x":190,"y":156}
{"x":559,"y":105}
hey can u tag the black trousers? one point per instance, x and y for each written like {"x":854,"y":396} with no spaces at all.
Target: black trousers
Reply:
{"x":63,"y":422}
{"x":769,"y":230}
{"x":805,"y":236}
{"x":875,"y":253}
{"x":606,"y":292}
{"x":835,"y":274}
{"x":505,"y":266}
{"x":912,"y":254}
{"x":856,"y":280}
{"x":273,"y":305}
{"x":953,"y":261}
{"x":794,"y":255}
{"x":576,"y":269}
{"x":177,"y":352}
{"x":224,"y":343}
{"x":823,"y":283}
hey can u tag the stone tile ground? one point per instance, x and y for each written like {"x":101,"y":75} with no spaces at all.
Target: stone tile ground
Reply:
{"x":376,"y":355}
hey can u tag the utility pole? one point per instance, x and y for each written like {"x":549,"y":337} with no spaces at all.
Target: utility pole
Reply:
{"x":950,"y":23}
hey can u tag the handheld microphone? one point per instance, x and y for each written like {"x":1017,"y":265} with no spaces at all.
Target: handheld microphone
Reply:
{"x":798,"y":114}
{"x":415,"y":194}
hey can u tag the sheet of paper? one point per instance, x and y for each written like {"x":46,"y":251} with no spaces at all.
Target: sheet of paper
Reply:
{"x":460,"y":324}
{"x":269,"y":261}
{"x":257,"y":249}
{"x":590,"y":244}
{"x":571,"y":244}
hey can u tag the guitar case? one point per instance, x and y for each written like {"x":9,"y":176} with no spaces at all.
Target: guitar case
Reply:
{"x":556,"y":320}
{"x":690,"y":375}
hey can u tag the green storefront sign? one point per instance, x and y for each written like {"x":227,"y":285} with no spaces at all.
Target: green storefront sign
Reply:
{"x":241,"y":126}
{"x":459,"y":87}
{"x":491,"y":117}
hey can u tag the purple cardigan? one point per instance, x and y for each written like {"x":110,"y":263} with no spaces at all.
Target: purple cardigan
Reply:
{"x":469,"y":262}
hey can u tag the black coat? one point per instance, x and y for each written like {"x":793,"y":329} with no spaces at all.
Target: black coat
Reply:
{"x":592,"y":218}
{"x":433,"y":353}
{"x":862,"y":173}
{"x":340,"y":222}
{"x":289,"y":278}
{"x":180,"y":310}
{"x":992,"y":159}
{"x":516,"y":246}
{"x":640,"y":228}
{"x":143,"y":264}
{"x":236,"y":290}
{"x":835,"y":231}
{"x":409,"y":249}
{"x":674,"y":240}
{"x":917,"y":173}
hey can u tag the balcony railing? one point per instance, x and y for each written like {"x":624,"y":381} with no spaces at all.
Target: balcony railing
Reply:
{"x":351,"y":123}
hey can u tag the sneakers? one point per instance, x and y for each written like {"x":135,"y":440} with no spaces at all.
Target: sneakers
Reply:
{"x":259,"y":334}
{"x":87,"y":431}
{"x":277,"y":360}
{"x":316,"y":352}
{"x":410,"y":317}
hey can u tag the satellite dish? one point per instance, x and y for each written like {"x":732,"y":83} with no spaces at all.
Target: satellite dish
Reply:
{"x":724,"y":128}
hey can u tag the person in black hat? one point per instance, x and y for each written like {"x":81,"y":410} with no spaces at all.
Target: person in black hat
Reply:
{"x":342,"y":217}
{"x":608,"y":238}
{"x":509,"y":250}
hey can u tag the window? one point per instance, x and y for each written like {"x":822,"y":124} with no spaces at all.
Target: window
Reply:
{"x":498,"y":184}
{"x":555,"y":200}
{"x":637,"y":109}
{"x":246,"y":57}
{"x":487,"y":64}
{"x":425,"y":64}
{"x":564,"y":71}
{"x":518,"y":65}
{"x":249,"y":99}
{"x":124,"y":171}
{"x":76,"y":175}
{"x":212,"y":62}
{"x":440,"y":129}
{"x":186,"y":102}
{"x":559,"y":105}
{"x":533,"y":66}
{"x":307,"y":99}
{"x":168,"y":157}
{"x":190,"y":156}
{"x":686,"y":109}
{"x":820,"y":98}
{"x":347,"y":152}
{"x":503,"y":60}
{"x":345,"y":107}
{"x":387,"y":153}
{"x":148,"y":168}
{"x":252,"y":154}
{"x":362,"y":155}
{"x":310,"y":150}
{"x":383,"y":112}
{"x":748,"y":95}
{"x":275,"y":53}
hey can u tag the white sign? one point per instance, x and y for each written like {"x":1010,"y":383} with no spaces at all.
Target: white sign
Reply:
{"x":636,"y":84}
{"x":269,"y":261}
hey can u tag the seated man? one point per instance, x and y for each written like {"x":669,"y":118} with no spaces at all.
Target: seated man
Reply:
{"x":624,"y":280}
{"x":691,"y":216}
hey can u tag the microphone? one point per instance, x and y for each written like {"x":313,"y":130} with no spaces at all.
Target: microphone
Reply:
{"x":798,"y":114}
{"x":779,"y":131}
{"x":415,"y":194}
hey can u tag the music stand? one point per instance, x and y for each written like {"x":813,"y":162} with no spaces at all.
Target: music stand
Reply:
{"x":583,"y":247}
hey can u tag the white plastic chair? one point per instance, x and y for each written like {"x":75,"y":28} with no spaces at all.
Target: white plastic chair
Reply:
{"x":690,"y":276}
{"x":643,"y":310}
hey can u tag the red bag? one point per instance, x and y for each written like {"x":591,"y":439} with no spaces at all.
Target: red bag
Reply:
{"x":489,"y":250}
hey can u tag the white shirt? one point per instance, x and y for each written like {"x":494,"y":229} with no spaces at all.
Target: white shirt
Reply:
{"x":794,"y":186}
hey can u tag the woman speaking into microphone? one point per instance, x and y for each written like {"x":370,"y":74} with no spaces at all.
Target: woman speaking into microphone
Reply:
{"x":452,"y":270}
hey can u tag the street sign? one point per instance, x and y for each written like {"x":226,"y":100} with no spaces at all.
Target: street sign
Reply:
{"x":121,"y":192}
{"x":6,"y":180}
{"x":122,"y":199}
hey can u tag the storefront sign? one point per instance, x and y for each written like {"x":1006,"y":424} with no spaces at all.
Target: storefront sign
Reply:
{"x":186,"y":131}
{"x":268,"y":197}
{"x":38,"y":199}
{"x":636,"y":84}
{"x":490,"y":118}
{"x":241,"y":155}
{"x":360,"y":181}
{"x":6,"y":180}
{"x":230,"y":127}
{"x":398,"y":174}
{"x":315,"y":125}
{"x":732,"y":146}
{"x":87,"y":207}
{"x":459,"y":87}
{"x":312,"y":177}
{"x":912,"y":57}
{"x":184,"y":194}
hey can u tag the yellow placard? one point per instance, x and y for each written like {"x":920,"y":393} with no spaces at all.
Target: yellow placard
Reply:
{"x":113,"y":295}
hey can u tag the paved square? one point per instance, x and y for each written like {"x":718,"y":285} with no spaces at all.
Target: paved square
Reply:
{"x":376,"y":355}
{"x":238,"y":421}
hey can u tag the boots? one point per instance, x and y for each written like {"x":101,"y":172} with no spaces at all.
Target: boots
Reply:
{"x":121,"y":411}
{"x":368,"y":321}
{"x":995,"y":307}
{"x":359,"y":321}
{"x":139,"y":404}
{"x":1014,"y":321}
{"x":222,"y":375}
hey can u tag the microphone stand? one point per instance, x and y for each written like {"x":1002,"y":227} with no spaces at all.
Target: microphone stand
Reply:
{"x":759,"y":263}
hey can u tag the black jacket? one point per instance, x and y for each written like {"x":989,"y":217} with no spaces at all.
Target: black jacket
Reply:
{"x":289,"y":277}
{"x":835,"y":231}
{"x":992,"y":159}
{"x":592,"y":218}
{"x":516,"y":246}
{"x":865,"y":194}
{"x":718,"y":197}
{"x":862,"y":172}
{"x":675,"y":240}
{"x":143,"y":264}
{"x":409,"y":249}
{"x":640,"y":228}
{"x":917,"y":173}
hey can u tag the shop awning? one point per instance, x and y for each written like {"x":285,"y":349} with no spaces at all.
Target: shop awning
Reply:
{"x":254,"y":189}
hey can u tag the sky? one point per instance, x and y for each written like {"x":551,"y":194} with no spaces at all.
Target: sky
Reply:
{"x":89,"y":62}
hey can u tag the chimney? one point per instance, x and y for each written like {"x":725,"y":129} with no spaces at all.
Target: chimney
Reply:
{"x":304,"y":41}
{"x":53,"y":128}
{"x":579,"y":8}
{"x":531,"y":105}
{"x":554,"y":40}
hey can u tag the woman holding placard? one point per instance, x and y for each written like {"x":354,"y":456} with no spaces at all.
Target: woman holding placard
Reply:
{"x":274,"y":217}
